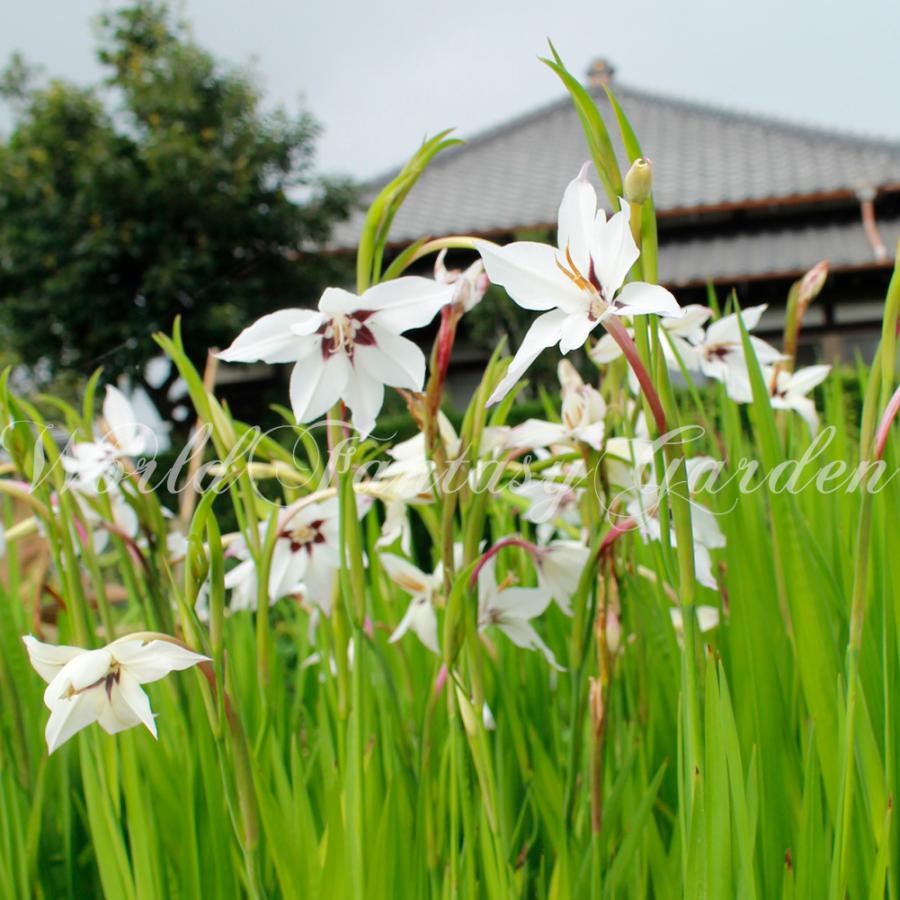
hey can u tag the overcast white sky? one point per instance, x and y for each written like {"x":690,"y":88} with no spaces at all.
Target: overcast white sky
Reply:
{"x":378,"y":76}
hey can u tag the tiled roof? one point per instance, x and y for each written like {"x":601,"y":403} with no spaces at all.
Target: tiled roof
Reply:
{"x":784,"y":251}
{"x":513,"y":176}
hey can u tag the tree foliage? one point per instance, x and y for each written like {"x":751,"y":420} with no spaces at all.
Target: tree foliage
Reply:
{"x":168,"y":188}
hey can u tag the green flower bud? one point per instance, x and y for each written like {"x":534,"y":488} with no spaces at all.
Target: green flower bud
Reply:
{"x":638,"y":181}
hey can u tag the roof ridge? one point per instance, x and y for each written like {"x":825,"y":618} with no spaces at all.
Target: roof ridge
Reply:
{"x":621,"y":90}
{"x":711,"y":107}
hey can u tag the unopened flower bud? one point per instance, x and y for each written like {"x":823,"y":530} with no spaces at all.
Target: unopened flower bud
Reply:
{"x":812,"y":283}
{"x":639,"y":181}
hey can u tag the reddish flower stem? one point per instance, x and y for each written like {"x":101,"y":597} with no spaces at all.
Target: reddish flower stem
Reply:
{"x":505,"y":542}
{"x":614,"y":534}
{"x":884,"y":426}
{"x":618,"y":333}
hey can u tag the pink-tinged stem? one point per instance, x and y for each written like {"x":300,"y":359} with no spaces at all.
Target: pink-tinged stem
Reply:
{"x":505,"y":542}
{"x":618,"y":333}
{"x":614,"y":534}
{"x":884,"y":426}
{"x":441,"y":680}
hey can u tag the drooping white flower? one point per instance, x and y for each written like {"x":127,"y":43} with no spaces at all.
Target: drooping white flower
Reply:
{"x":104,"y":686}
{"x":420,"y":616}
{"x":788,"y":390}
{"x":720,"y":355}
{"x":576,"y":284}
{"x":511,"y":610}
{"x":559,"y":566}
{"x":348,"y":349}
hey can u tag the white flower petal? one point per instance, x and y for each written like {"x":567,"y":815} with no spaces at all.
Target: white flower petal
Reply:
{"x":545,"y":331}
{"x":530,"y":274}
{"x":116,"y":714}
{"x":521,"y":603}
{"x":804,"y":380}
{"x":128,"y":693}
{"x":404,"y":303}
{"x":151,"y":660}
{"x":522,"y":634}
{"x":575,"y":331}
{"x":364,"y":395}
{"x":690,"y":325}
{"x":639,"y":298}
{"x":613,"y":250}
{"x":405,"y":575}
{"x":49,"y":659}
{"x":394,"y":360}
{"x":534,"y":433}
{"x":576,"y":220}
{"x":271,"y":338}
{"x":121,"y":419}
{"x":68,"y":717}
{"x":319,"y":581}
{"x":605,"y":350}
{"x":317,"y":385}
{"x":726,"y":330}
{"x":421,"y":619}
{"x":81,"y":672}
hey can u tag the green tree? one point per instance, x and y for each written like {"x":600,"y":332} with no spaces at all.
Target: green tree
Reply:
{"x":170,"y":188}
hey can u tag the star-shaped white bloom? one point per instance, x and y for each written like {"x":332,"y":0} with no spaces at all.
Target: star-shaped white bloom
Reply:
{"x":788,"y":390}
{"x":419,"y":617}
{"x":511,"y":610}
{"x":348,"y":349}
{"x":576,"y":284}
{"x":305,"y":557}
{"x":720,"y":355}
{"x":87,"y":686}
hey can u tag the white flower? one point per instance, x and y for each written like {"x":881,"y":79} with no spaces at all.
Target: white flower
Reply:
{"x":349,"y":349}
{"x":469,"y":285}
{"x":643,"y":508}
{"x":549,"y":500}
{"x":123,"y":436}
{"x":583,"y":415}
{"x":688,"y":329}
{"x":305,"y":557}
{"x":511,"y":610}
{"x":720,"y":354}
{"x":559,"y":567}
{"x":788,"y":390}
{"x":578,"y":284}
{"x":419,"y":616}
{"x":87,"y":686}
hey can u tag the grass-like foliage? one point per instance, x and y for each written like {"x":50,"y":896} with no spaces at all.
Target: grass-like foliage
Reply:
{"x":563,"y":659}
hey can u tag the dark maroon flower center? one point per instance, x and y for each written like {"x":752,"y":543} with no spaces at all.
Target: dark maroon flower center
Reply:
{"x":343,"y":333}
